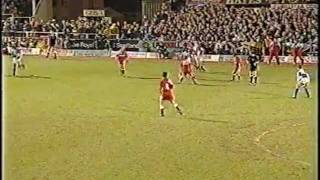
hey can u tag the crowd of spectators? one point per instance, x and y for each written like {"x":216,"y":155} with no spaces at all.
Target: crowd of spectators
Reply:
{"x":219,"y":28}
{"x":223,"y":28}
{"x":17,"y":7}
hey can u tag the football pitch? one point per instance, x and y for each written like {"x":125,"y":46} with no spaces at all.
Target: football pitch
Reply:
{"x":77,"y":119}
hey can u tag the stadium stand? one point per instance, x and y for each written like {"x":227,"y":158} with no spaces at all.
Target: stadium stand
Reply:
{"x":221,"y":29}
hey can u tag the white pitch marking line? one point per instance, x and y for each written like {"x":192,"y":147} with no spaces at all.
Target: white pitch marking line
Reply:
{"x":258,"y":143}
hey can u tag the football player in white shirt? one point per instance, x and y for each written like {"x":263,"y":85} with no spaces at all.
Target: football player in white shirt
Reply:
{"x":16,"y":55}
{"x":200,"y":54}
{"x":303,"y":80}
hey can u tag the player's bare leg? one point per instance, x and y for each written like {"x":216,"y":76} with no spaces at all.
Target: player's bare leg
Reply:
{"x":253,"y":78}
{"x":48,"y":52}
{"x":307,"y":92}
{"x":202,"y":68}
{"x":194,"y":80}
{"x":122,"y":69}
{"x":177,"y":107}
{"x":21,"y":65}
{"x":161,"y":108}
{"x":181,"y":77}
{"x":233,"y":77}
{"x":296,"y":91}
{"x":302,"y":60}
{"x":54,"y":53}
{"x":277,"y":59}
{"x":270,"y":59}
{"x":239,"y":76}
{"x":295,"y":59}
{"x":196,"y":64}
{"x":234,"y":74}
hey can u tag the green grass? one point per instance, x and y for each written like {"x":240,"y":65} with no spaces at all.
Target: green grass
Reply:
{"x":79,"y":120}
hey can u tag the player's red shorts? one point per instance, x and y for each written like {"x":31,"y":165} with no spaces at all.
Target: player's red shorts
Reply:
{"x":274,"y":52}
{"x":186,"y":71}
{"x":167,"y":97}
{"x":296,"y":52}
{"x":121,"y":61}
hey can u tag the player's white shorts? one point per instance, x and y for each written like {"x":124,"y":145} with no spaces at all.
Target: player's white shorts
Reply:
{"x":253,"y":73}
{"x":304,"y":82}
{"x":16,"y":60}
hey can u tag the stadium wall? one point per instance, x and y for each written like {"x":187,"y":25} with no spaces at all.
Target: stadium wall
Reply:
{"x":153,"y":55}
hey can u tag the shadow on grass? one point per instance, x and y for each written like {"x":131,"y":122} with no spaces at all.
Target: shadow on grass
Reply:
{"x":29,"y":77}
{"x":214,"y":85}
{"x":217,"y":80}
{"x":214,"y":72}
{"x":137,"y":77}
{"x":270,"y":83}
{"x":206,"y":120}
{"x":266,"y":95}
{"x":201,"y":84}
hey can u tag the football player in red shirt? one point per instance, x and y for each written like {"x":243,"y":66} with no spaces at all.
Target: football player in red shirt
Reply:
{"x":186,"y":70}
{"x":122,"y":58}
{"x":297,"y":52}
{"x":167,"y":94}
{"x":237,"y":67}
{"x":274,"y":48}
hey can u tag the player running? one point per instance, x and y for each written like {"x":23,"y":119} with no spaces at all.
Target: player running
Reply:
{"x":199,"y":56}
{"x":274,"y":48}
{"x":253,"y":61}
{"x":297,"y":52}
{"x":195,"y":53}
{"x":303,"y":80}
{"x":16,"y":55}
{"x":237,"y":67}
{"x":167,"y":94}
{"x":186,"y":69}
{"x":122,"y":58}
{"x":51,"y":46}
